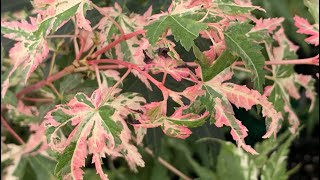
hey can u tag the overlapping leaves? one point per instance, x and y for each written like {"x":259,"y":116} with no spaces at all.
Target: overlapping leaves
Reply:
{"x":31,"y":48}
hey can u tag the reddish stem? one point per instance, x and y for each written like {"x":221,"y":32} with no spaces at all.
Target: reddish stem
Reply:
{"x":311,"y":61}
{"x":82,"y":45}
{"x":11,"y":131}
{"x":117,"y":41}
{"x":164,"y":78}
{"x":47,"y":81}
{"x":133,"y":66}
{"x":47,"y":100}
{"x":111,"y":67}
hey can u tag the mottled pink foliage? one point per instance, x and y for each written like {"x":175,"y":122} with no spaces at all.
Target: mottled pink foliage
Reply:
{"x":304,"y":27}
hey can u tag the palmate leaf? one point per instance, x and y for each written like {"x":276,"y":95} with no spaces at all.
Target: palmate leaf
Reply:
{"x":25,"y":55}
{"x":304,"y":27}
{"x":237,"y":7}
{"x":177,"y":125}
{"x":31,"y":48}
{"x":269,"y":24}
{"x":275,"y":167}
{"x":183,"y":29}
{"x":99,"y":130}
{"x":240,"y":45}
{"x":218,"y":98}
{"x":41,"y":167}
{"x":280,"y":94}
{"x":239,"y":163}
{"x":126,"y":50}
{"x":313,"y":7}
{"x":287,"y":82}
{"x":23,"y":165}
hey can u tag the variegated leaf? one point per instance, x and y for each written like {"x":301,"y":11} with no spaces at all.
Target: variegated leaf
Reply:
{"x":99,"y":129}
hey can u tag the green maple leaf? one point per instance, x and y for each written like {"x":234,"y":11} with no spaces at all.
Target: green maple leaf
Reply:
{"x":183,"y":29}
{"x":240,"y":45}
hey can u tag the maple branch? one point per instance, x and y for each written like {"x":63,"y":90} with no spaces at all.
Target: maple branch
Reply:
{"x":116,"y":85}
{"x":168,"y":165}
{"x":58,"y":75}
{"x":11,"y":131}
{"x":111,"y":67}
{"x":164,"y":78}
{"x":38,"y":99}
{"x":117,"y":41}
{"x":52,"y":62}
{"x":133,"y":66}
{"x":97,"y":75}
{"x":82,"y":45}
{"x":54,"y":89}
{"x":122,"y":78}
{"x":61,"y":36}
{"x":163,"y":89}
{"x":310,"y":61}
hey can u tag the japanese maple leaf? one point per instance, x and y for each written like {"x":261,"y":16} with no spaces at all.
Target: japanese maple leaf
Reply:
{"x":28,"y":53}
{"x":269,"y":24}
{"x":177,"y":125}
{"x":31,"y":48}
{"x":50,"y":8}
{"x":169,"y":66}
{"x":205,"y":3}
{"x":288,"y":83}
{"x":218,"y":97}
{"x":238,"y":131}
{"x":304,"y":27}
{"x":99,"y":129}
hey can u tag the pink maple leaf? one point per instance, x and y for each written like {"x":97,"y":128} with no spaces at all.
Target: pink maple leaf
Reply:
{"x":304,"y":27}
{"x":225,"y":117}
{"x":99,"y":129}
{"x":205,"y":3}
{"x":269,"y":24}
{"x":176,"y":125}
{"x":243,"y":97}
{"x":28,"y":53}
{"x":169,"y":66}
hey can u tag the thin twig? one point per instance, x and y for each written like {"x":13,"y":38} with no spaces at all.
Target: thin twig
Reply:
{"x":54,"y":89}
{"x":11,"y":131}
{"x":164,"y":78}
{"x":164,"y":162}
{"x":47,"y":100}
{"x":61,"y":36}
{"x":52,"y":62}
{"x":168,"y":165}
{"x":117,"y":41}
{"x":116,"y":85}
{"x":58,"y":75}
{"x":310,"y":61}
{"x":96,"y":69}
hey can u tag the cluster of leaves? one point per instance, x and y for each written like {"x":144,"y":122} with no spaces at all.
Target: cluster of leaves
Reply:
{"x":92,"y":114}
